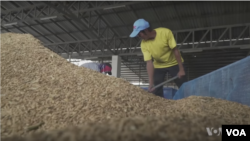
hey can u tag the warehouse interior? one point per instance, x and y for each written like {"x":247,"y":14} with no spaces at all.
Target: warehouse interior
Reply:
{"x":47,"y":95}
{"x":210,"y":35}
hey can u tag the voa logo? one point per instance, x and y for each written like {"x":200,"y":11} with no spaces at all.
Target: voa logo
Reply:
{"x":236,"y":132}
{"x":214,"y":131}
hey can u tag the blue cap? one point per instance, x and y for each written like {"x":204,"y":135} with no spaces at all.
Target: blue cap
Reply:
{"x":139,"y":25}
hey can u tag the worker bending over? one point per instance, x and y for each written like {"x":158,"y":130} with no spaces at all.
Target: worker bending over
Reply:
{"x":159,"y":45}
{"x":104,"y":68}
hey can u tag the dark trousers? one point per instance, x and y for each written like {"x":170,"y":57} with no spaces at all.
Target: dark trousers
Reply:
{"x":160,"y":74}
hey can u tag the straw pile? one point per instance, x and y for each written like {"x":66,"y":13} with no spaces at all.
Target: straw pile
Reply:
{"x":42,"y":91}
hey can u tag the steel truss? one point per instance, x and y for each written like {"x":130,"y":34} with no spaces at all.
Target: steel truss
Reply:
{"x":40,"y":11}
{"x":37,"y":12}
{"x":208,"y":38}
{"x":83,"y":22}
{"x":193,"y":40}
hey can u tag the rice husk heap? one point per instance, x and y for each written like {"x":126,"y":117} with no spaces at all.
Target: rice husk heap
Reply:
{"x":173,"y":128}
{"x":41,"y":91}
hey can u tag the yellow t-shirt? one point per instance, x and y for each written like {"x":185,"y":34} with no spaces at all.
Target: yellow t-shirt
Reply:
{"x":160,"y":48}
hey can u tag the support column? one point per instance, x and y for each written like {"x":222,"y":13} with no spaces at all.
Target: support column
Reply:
{"x":116,"y":66}
{"x":69,"y":57}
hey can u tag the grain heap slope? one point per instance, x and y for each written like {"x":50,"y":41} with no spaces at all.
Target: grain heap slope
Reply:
{"x":39,"y":86}
{"x":167,"y":128}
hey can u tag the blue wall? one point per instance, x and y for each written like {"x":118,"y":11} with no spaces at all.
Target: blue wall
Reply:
{"x":231,"y":83}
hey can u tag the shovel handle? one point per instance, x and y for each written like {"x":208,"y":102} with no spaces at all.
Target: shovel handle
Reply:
{"x":169,"y":80}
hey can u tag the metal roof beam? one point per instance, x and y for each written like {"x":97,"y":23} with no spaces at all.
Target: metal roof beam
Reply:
{"x":56,"y":34}
{"x":68,"y":13}
{"x":106,"y":31}
{"x":16,"y":10}
{"x":22,"y":31}
{"x":138,"y":52}
{"x":63,"y":9}
{"x":206,"y":30}
{"x":56,"y":51}
{"x":30,"y":10}
{"x":115,"y":32}
{"x":107,"y":54}
{"x":34,"y":13}
{"x":127,"y":25}
{"x":82,"y":34}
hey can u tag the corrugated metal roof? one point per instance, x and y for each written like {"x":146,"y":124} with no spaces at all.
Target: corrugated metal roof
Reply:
{"x":66,"y":25}
{"x":113,"y":20}
{"x":79,"y":36}
{"x":140,"y":5}
{"x":147,"y":14}
{"x":42,"y":39}
{"x":169,"y":12}
{"x":41,"y":29}
{"x":28,"y":30}
{"x":128,"y":17}
{"x":23,"y":3}
{"x":53,"y":28}
{"x":123,"y":31}
{"x":66,"y":37}
{"x":7,"y":5}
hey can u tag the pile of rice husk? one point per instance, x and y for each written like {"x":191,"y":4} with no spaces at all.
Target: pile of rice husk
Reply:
{"x":167,"y":128}
{"x":41,"y":91}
